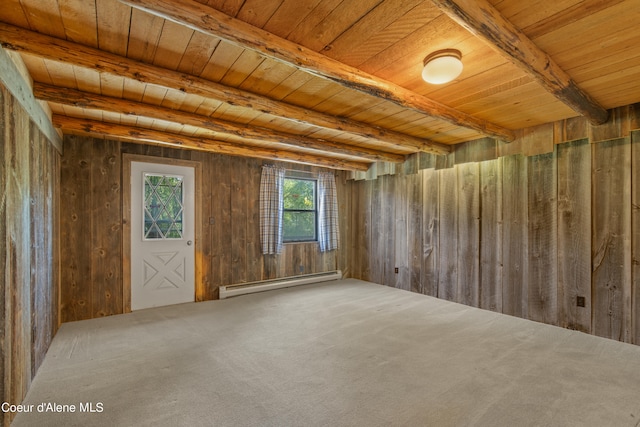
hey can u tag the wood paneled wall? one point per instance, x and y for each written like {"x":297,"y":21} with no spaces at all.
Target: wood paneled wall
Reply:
{"x":228,"y":249}
{"x":524,"y":236}
{"x":29,"y":272}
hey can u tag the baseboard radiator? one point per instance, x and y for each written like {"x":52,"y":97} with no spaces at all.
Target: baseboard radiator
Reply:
{"x":283,"y":282}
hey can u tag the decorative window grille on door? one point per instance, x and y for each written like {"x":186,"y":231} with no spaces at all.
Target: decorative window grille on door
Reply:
{"x":163,"y":206}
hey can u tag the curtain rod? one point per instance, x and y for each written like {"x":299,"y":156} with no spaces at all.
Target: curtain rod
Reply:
{"x":299,"y":171}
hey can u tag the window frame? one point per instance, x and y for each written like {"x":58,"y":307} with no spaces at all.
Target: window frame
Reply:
{"x":302,"y":177}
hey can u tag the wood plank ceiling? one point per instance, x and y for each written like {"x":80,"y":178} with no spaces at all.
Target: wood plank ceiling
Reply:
{"x":334,"y":83}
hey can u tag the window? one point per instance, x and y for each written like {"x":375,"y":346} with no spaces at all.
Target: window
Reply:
{"x":299,"y":222}
{"x":163,"y":206}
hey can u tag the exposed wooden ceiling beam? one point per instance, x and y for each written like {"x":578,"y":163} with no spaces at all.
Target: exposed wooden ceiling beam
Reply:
{"x":205,"y":19}
{"x":486,"y":22}
{"x":16,"y":84}
{"x":22,"y":40}
{"x":76,"y":98}
{"x":139,"y":135}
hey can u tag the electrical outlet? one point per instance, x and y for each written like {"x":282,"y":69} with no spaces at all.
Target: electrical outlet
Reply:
{"x":396,"y":270}
{"x":580,"y":301}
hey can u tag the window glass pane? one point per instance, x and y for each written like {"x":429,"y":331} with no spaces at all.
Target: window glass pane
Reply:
{"x":299,"y":219}
{"x":299,"y":226}
{"x":163,"y":206}
{"x":299,"y":194}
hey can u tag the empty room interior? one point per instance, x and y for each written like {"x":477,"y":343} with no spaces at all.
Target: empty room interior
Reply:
{"x":320,"y":213}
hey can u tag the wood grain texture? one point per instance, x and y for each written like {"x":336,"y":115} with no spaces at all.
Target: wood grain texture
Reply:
{"x":611,"y":240}
{"x":485,"y":21}
{"x":222,"y":128}
{"x":635,"y":236}
{"x":106,"y":228}
{"x":515,"y":242}
{"x":191,"y":13}
{"x":227,"y":242}
{"x":11,"y":78}
{"x":75,"y":226}
{"x":401,"y":243}
{"x":490,"y":283}
{"x":468,"y":236}
{"x":574,"y":234}
{"x":239,"y":213}
{"x":141,"y":135}
{"x":448,"y":236}
{"x":115,"y":65}
{"x":552,"y":227}
{"x":29,"y":182}
{"x":414,"y":231}
{"x":377,"y":243}
{"x":4,"y":150}
{"x":389,"y":223}
{"x":430,"y":232}
{"x":542,"y":283}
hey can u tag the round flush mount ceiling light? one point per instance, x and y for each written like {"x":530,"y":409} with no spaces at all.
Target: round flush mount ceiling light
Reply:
{"x":442,"y":66}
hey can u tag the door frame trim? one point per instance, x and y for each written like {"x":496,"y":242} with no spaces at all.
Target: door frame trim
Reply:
{"x":126,"y":221}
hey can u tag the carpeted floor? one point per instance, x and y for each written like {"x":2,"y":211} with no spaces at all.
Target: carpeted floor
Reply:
{"x":344,"y":353}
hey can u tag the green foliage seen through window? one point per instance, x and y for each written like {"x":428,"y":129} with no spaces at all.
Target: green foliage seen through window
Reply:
{"x":299,"y":221}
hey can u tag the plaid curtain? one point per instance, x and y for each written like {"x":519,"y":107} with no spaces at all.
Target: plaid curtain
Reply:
{"x":328,"y":236}
{"x":271,"y":209}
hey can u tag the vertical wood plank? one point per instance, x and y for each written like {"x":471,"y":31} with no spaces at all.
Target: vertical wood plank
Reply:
{"x":615,"y":128}
{"x":431,"y":231}
{"x":4,"y":170}
{"x":106,"y":233}
{"x":490,"y":292}
{"x":345,"y":217}
{"x":543,"y":264}
{"x":448,"y":234}
{"x":354,"y":230}
{"x":203,"y":248}
{"x":399,"y":203}
{"x":377,"y":242}
{"x":635,"y":242}
{"x":574,"y":234}
{"x":389,"y":224}
{"x":414,"y":231}
{"x":611,"y":240}
{"x":468,"y":192}
{"x":40,"y":230}
{"x":75,"y":229}
{"x":222,"y":197}
{"x":515,"y":236}
{"x":239,"y":220}
{"x":17,"y":320}
{"x":364,"y":231}
{"x":253,"y":249}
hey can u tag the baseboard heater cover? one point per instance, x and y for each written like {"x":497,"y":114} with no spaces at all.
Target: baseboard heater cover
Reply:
{"x":283,"y":282}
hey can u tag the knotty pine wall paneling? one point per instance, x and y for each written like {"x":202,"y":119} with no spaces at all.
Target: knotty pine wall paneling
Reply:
{"x":522,"y":235}
{"x":228,"y":247}
{"x":91,"y":226}
{"x":29,"y":255}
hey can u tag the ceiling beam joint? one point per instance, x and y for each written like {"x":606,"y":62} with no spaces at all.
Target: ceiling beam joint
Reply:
{"x":486,"y":22}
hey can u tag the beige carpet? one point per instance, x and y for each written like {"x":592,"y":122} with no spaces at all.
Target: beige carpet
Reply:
{"x":345,"y":353}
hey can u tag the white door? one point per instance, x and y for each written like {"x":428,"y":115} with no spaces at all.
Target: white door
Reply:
{"x":162,"y":235}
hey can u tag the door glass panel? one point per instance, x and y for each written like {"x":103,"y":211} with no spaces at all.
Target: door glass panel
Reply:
{"x":163,"y":206}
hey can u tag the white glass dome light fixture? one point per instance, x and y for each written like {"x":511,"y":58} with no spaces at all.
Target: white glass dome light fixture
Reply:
{"x":442,"y":66}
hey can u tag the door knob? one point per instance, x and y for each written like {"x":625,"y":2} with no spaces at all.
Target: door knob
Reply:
{"x":189,"y":242}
